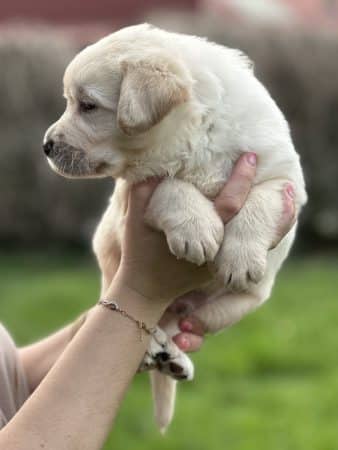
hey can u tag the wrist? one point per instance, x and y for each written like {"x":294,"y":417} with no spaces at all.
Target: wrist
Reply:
{"x":77,"y":324}
{"x":135,"y":303}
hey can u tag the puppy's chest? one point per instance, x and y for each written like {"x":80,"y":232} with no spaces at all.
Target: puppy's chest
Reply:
{"x":207,"y":180}
{"x":208,"y":155}
{"x":207,"y":168}
{"x":203,"y":164}
{"x":208,"y":177}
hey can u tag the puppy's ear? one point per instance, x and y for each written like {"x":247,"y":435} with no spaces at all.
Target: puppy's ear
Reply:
{"x":149,"y":91}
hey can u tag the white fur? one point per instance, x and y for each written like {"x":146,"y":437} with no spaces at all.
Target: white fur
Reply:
{"x":180,"y":106}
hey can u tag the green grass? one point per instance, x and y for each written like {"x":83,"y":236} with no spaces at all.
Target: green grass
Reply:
{"x":269,"y":383}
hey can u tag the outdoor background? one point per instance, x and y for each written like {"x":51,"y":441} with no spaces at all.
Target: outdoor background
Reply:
{"x":270,"y":382}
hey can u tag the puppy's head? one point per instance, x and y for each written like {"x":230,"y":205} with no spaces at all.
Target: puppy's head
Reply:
{"x":118,"y":93}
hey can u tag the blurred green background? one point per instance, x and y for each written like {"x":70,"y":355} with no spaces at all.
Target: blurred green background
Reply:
{"x":271,"y":381}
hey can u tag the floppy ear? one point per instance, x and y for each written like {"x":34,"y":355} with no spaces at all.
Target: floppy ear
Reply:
{"x":149,"y":91}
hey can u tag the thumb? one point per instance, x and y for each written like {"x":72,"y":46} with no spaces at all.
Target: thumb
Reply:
{"x":139,"y":196}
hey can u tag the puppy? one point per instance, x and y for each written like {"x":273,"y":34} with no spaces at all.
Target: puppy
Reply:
{"x":143,"y":102}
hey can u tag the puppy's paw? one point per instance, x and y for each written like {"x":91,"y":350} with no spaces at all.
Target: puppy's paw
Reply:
{"x":197,"y":239}
{"x":176,"y":364}
{"x":240,"y":264}
{"x":164,"y":355}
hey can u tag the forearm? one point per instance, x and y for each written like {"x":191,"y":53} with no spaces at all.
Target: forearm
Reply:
{"x":37,"y":359}
{"x":87,"y":383}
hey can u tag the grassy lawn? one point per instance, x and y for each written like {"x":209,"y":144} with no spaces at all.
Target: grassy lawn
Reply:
{"x":269,"y":383}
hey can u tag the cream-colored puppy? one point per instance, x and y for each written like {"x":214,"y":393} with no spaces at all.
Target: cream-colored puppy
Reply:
{"x":143,"y":102}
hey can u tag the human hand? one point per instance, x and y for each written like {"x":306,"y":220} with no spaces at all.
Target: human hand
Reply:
{"x":147,"y":266}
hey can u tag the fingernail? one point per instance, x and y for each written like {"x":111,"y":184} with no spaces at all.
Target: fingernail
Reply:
{"x":290,"y":191}
{"x":186,"y":326}
{"x":185,"y":344}
{"x":251,"y":158}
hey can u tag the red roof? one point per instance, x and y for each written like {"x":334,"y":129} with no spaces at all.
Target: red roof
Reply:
{"x":79,"y":11}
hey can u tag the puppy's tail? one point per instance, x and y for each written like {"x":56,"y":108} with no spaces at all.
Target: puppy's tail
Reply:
{"x":164,"y":396}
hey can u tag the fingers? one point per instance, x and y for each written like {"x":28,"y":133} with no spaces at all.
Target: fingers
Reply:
{"x":289,"y":211}
{"x":192,"y":325}
{"x":232,"y":197}
{"x":188,"y":342}
{"x":288,"y":218}
{"x":191,"y":338}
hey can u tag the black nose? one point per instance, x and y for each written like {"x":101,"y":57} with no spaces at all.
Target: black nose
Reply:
{"x":48,"y":147}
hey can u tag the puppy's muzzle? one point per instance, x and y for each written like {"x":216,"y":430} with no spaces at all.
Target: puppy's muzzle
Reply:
{"x":67,"y":160}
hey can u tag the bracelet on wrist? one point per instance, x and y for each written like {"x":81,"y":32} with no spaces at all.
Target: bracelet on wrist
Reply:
{"x":113,"y":306}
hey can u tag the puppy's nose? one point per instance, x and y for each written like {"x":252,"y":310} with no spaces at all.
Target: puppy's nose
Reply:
{"x":48,"y":147}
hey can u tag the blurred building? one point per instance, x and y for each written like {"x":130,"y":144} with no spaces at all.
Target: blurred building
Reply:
{"x":298,"y":66}
{"x":319,"y":13}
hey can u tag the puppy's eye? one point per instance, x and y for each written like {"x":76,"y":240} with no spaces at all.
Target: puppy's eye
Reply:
{"x":87,"y":106}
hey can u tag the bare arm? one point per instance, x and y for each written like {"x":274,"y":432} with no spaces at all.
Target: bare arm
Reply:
{"x":87,"y":383}
{"x":37,"y":359}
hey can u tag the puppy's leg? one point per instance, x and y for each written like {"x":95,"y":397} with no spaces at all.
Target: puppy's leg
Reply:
{"x":225,"y":308}
{"x":249,"y":235}
{"x":192,"y":226}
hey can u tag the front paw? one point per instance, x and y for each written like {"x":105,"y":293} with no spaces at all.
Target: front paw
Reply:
{"x":240,"y":264}
{"x":196,"y":240}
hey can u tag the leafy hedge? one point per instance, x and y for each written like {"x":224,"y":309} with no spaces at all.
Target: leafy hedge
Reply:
{"x":38,"y":207}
